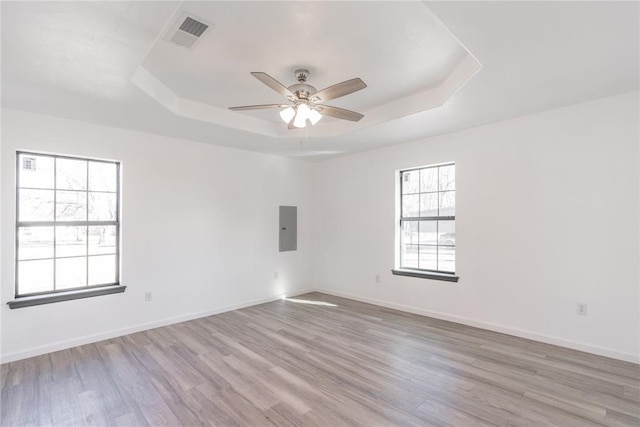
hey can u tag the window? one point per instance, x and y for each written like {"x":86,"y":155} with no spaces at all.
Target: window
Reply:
{"x":67,"y":228}
{"x":427,"y":223}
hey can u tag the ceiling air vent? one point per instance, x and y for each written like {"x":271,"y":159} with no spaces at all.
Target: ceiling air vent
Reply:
{"x":193,"y":27}
{"x":187,"y":31}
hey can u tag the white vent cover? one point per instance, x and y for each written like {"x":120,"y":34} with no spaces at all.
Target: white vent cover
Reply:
{"x":187,"y":30}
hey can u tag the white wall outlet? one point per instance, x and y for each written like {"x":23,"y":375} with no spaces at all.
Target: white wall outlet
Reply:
{"x":148,"y":296}
{"x":275,"y":275}
{"x":377,"y":278}
{"x":581,"y":309}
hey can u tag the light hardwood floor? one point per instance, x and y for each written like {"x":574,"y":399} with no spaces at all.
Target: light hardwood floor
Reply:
{"x":329,"y":362}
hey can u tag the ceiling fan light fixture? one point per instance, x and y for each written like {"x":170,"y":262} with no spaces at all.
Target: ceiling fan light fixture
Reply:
{"x":304,"y":111}
{"x":314,"y":116}
{"x":299,"y":122}
{"x":287,"y":114}
{"x":307,"y":103}
{"x":302,"y":116}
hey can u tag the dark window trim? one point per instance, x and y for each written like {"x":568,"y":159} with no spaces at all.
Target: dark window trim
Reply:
{"x":21,"y":302}
{"x":424,"y":274}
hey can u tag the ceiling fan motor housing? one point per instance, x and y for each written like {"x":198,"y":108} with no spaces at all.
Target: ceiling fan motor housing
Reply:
{"x":302,"y":90}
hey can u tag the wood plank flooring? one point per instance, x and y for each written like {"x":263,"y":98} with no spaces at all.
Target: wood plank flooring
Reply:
{"x":319,"y":360}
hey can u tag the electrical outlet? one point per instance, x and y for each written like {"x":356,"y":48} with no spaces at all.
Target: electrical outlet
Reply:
{"x":581,"y":309}
{"x":148,"y":296}
{"x":275,"y":275}
{"x":377,"y":278}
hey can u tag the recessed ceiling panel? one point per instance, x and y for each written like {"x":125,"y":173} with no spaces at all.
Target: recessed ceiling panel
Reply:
{"x":86,"y":61}
{"x":399,"y":49}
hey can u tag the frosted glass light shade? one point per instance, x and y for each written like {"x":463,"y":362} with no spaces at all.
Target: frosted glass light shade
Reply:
{"x":302,"y":116}
{"x":299,"y":122}
{"x":314,"y":117}
{"x":304,"y":110}
{"x":287,"y":114}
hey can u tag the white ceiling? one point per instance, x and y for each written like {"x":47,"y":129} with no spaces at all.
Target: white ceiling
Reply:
{"x":278,"y":37}
{"x":77,"y":60}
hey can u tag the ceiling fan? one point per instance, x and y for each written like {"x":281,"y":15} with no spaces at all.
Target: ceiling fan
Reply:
{"x":305,"y":101}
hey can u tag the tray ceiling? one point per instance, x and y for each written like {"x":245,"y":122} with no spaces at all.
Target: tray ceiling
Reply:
{"x":107,"y":63}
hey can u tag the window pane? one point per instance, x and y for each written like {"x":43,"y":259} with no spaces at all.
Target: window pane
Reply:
{"x":428,"y":257}
{"x":102,"y":240}
{"x":447,"y":259}
{"x":447,"y":177}
{"x":35,"y":276}
{"x":410,"y":206}
{"x":102,"y":206}
{"x":71,"y":206}
{"x":429,"y":204}
{"x":409,"y":232}
{"x":71,"y":174}
{"x":35,"y":171}
{"x":71,"y":272}
{"x":448,"y":203}
{"x":35,"y":242}
{"x":36,"y":205}
{"x":102,"y":176}
{"x":409,"y":256}
{"x":71,"y":241}
{"x":102,"y":269}
{"x":410,"y":182}
{"x":447,"y":233}
{"x":428,"y":232}
{"x":429,"y":180}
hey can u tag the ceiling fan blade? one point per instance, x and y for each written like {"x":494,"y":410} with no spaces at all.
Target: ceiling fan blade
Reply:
{"x":258,"y":107}
{"x":340,"y":89}
{"x":273,"y":84}
{"x":339,"y":113}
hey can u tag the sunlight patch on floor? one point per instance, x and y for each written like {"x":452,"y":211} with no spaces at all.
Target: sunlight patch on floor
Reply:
{"x":306,"y":301}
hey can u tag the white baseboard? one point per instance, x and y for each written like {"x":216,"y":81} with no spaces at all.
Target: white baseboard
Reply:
{"x":88,"y":339}
{"x":561,"y":342}
{"x":62,"y":345}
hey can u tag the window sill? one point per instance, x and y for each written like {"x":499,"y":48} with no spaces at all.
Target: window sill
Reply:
{"x":21,"y":302}
{"x":426,"y":275}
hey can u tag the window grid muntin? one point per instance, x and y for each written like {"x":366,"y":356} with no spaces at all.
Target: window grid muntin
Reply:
{"x":55,"y":224}
{"x":437,"y":218}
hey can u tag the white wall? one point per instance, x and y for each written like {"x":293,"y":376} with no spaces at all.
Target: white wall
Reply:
{"x":199,"y":230}
{"x":547,"y":217}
